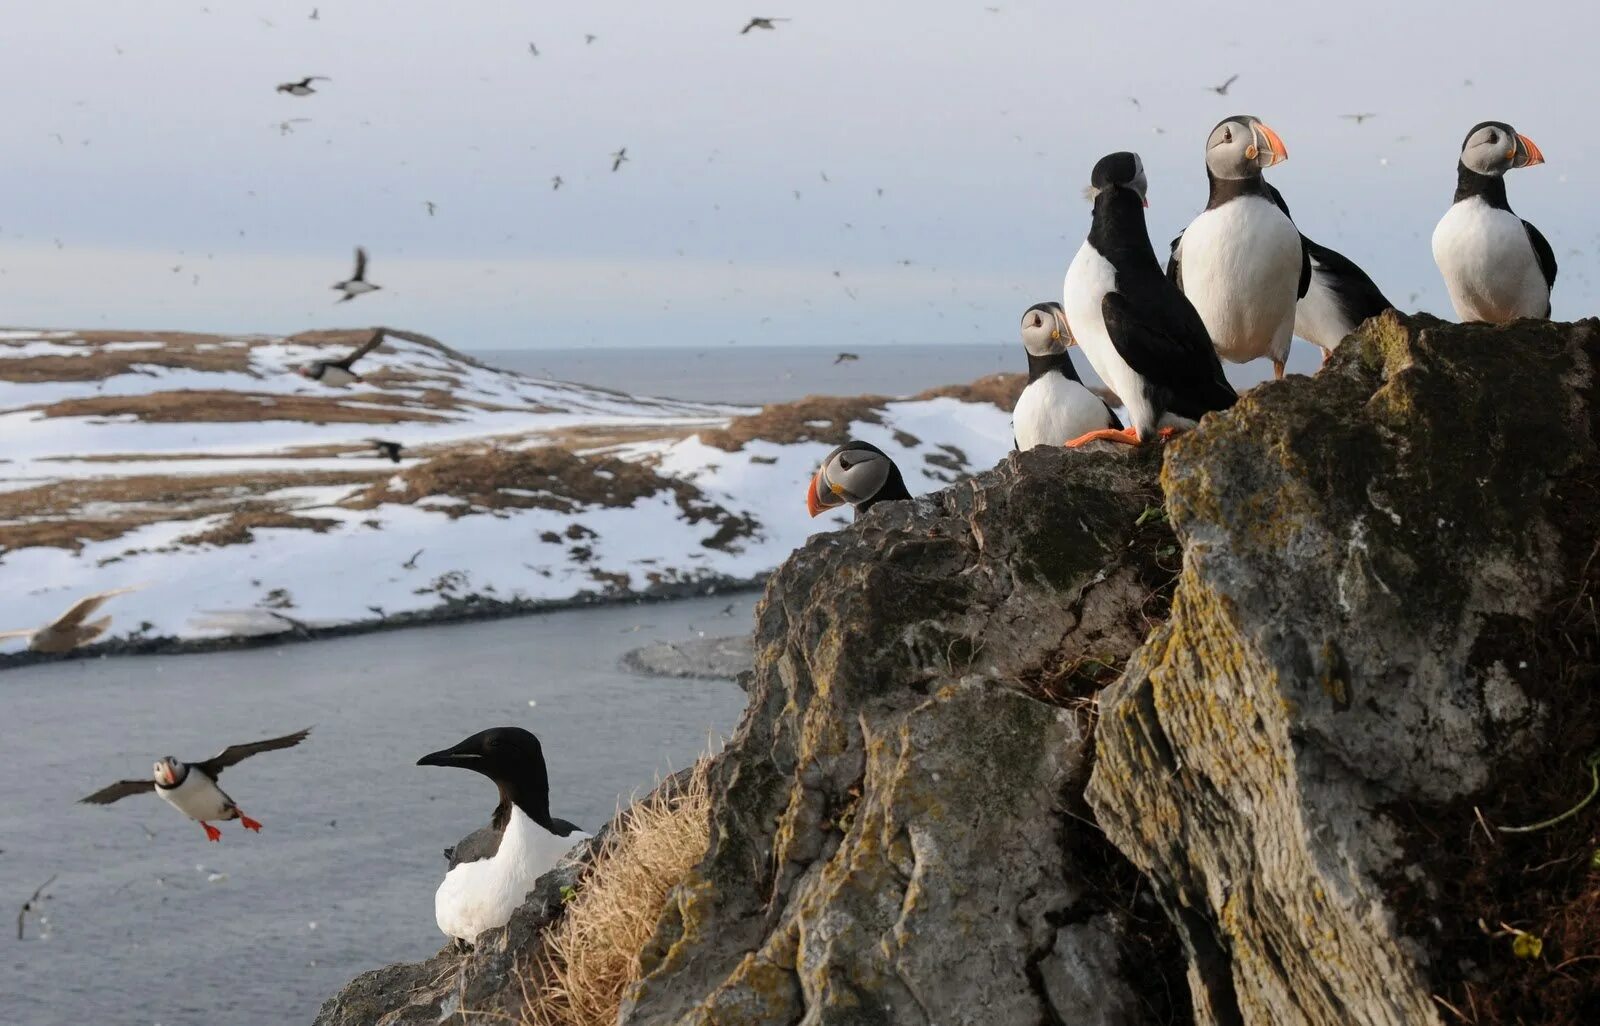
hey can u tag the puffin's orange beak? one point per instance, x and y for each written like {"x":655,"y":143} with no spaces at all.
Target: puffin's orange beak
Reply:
{"x":1530,"y":154}
{"x":813,"y":501}
{"x":1279,"y":152}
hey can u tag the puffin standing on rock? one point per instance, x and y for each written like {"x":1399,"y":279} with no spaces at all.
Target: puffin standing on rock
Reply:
{"x":1055,"y":407}
{"x":1497,"y":266}
{"x":859,"y":473}
{"x":192,"y":789}
{"x":481,"y":893}
{"x":1241,"y":262}
{"x":1142,"y":336}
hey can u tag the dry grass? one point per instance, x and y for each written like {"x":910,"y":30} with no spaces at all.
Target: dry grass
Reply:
{"x":1002,"y":390}
{"x":225,"y":406}
{"x":236,"y":530}
{"x":179,"y":350}
{"x":544,"y":478}
{"x":592,"y":955}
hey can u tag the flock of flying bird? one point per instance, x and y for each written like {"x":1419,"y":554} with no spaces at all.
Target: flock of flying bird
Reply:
{"x":1239,"y":284}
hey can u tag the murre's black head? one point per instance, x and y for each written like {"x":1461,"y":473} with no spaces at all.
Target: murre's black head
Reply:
{"x":513,"y":759}
{"x":1242,"y":146}
{"x":1121,"y":170}
{"x":856,"y":472}
{"x":1494,"y":147}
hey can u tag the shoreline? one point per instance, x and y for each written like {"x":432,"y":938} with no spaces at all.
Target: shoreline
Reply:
{"x":467,"y":610}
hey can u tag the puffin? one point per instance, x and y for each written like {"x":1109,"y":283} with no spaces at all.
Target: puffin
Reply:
{"x":858,"y":473}
{"x":387,"y":449}
{"x":1055,"y":407}
{"x":191,"y":787}
{"x":302,"y":87}
{"x":1241,"y":262}
{"x":357,"y":284}
{"x":1497,"y":266}
{"x":1340,"y":296}
{"x":488,"y":881}
{"x":1141,"y":334}
{"x":69,"y":631}
{"x":339,"y":372}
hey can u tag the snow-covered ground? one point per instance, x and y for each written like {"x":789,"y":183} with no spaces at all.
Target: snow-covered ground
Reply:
{"x":239,"y":497}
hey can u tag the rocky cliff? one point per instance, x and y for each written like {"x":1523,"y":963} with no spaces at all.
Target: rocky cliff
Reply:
{"x":1221,"y":733}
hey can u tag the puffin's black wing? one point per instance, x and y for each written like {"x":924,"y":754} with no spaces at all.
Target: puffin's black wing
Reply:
{"x":1175,"y":264}
{"x":1111,"y":416}
{"x":1546,"y":255}
{"x":1358,"y":295}
{"x":118,"y":791}
{"x":361,"y":265}
{"x":1164,"y":340}
{"x":238,"y":753}
{"x":362,"y":350}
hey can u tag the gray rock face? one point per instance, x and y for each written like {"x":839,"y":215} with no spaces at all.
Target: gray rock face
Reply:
{"x":717,"y":658}
{"x":1357,"y":548}
{"x":892,"y":824}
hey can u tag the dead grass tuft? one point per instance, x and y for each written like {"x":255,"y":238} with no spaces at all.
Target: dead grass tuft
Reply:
{"x":816,"y":418}
{"x":1002,"y":390}
{"x":592,"y":955}
{"x":547,"y":477}
{"x":236,"y":530}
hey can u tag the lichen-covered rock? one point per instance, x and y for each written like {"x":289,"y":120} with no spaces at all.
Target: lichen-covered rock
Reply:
{"x":1358,"y":546}
{"x":894,"y":825}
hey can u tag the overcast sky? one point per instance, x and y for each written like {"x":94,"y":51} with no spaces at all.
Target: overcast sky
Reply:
{"x":139,"y":138}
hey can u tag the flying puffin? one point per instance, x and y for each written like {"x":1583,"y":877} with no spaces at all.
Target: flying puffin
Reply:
{"x":1497,"y":266}
{"x":357,"y":284}
{"x":1241,"y":262}
{"x":1142,"y":336}
{"x":856,"y":472}
{"x":192,"y":789}
{"x":302,"y":87}
{"x":338,"y":372}
{"x":1340,"y":296}
{"x":480,"y":893}
{"x":1055,"y":407}
{"x":69,"y":631}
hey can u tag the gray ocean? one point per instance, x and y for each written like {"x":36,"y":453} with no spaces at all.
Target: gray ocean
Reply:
{"x":147,"y":922}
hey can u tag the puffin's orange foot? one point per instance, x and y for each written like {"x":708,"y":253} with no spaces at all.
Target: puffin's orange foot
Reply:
{"x":1277,"y":370}
{"x":1127,"y":436}
{"x":248,"y":823}
{"x":212,"y":833}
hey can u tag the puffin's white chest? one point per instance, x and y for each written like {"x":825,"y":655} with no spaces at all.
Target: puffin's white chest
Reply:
{"x":198,"y":797}
{"x":336,"y":376}
{"x":1089,"y":277}
{"x":1241,"y":270}
{"x":1319,"y":317}
{"x":478,"y":896}
{"x":1488,"y":263}
{"x":1054,"y":410}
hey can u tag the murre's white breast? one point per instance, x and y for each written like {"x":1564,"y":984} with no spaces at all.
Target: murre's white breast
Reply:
{"x":199,"y":798}
{"x":1488,"y":263}
{"x":1054,"y":410}
{"x":1241,"y":270}
{"x":478,"y":896}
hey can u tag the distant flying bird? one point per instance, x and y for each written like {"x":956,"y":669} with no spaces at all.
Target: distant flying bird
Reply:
{"x":340,"y":372}
{"x":302,"y":87}
{"x":555,"y":183}
{"x":619,"y":158}
{"x":824,"y":175}
{"x":1357,"y":118}
{"x":587,"y":39}
{"x":357,"y":284}
{"x":1222,"y":90}
{"x":68,"y":631}
{"x":430,"y":205}
{"x":314,"y":14}
{"x":533,"y":49}
{"x":192,"y":789}
{"x":287,"y":127}
{"x":1135,"y":101}
{"x":391,"y":450}
{"x":762,"y":23}
{"x":845,"y":358}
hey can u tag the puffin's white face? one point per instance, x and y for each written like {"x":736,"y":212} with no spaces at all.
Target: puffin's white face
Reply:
{"x":168,"y":771}
{"x":1240,"y":147}
{"x":1494,"y":147}
{"x":1045,"y":331}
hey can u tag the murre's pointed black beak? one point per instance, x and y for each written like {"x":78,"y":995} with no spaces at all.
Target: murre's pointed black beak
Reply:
{"x":451,"y":757}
